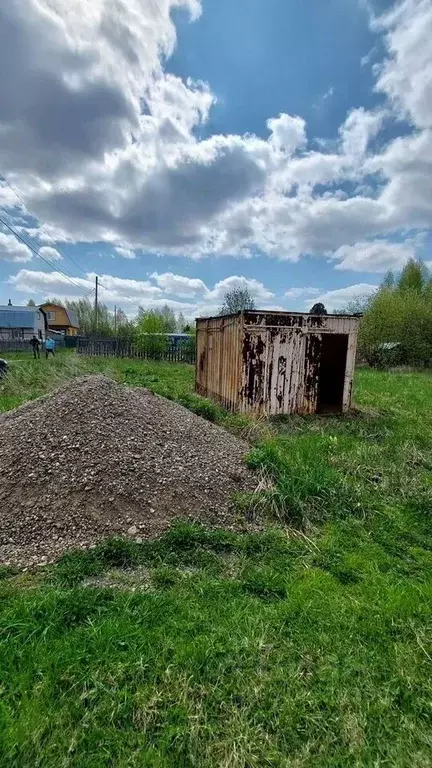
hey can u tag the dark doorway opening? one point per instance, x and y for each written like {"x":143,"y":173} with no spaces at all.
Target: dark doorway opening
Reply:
{"x":334,"y":349}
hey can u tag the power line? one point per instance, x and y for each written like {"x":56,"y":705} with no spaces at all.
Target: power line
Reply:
{"x":53,"y":266}
{"x":35,"y":249}
{"x":41,"y":226}
{"x":36,"y":245}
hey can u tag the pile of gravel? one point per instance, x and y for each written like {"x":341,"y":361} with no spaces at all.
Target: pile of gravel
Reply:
{"x":95,"y":459}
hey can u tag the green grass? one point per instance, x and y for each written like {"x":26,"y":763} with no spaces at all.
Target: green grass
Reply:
{"x":306,"y":645}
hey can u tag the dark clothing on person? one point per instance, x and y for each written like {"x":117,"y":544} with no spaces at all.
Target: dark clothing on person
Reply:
{"x":49,"y":352}
{"x":35,"y":343}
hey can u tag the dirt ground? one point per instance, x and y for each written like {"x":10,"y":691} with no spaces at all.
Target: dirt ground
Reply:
{"x":95,"y":459}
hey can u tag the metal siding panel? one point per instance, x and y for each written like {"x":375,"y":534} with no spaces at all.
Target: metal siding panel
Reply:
{"x":296,"y":362}
{"x":254,"y":367}
{"x":260,"y":362}
{"x":281,"y":372}
{"x":311,"y":372}
{"x":349,"y":372}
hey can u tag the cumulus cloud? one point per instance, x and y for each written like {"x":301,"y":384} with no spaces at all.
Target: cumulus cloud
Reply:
{"x":376,"y":256}
{"x":111,"y":289}
{"x":179,"y":285}
{"x":12,"y":249}
{"x":287,"y":133}
{"x":167,"y":288}
{"x":405,"y":76}
{"x":104,"y":144}
{"x":50,"y":253}
{"x":125,"y":253}
{"x":255,"y":288}
{"x":358,"y":129}
{"x":339,"y":298}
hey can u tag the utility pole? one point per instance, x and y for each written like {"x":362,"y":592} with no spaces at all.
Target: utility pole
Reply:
{"x":115,"y":320}
{"x":96,"y":305}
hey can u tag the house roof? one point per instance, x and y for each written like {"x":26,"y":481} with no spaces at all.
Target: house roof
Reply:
{"x":70,"y":314}
{"x":73,"y":318}
{"x":18,"y":317}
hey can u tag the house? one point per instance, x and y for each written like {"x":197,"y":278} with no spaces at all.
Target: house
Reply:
{"x":21,"y":323}
{"x":61,"y":319}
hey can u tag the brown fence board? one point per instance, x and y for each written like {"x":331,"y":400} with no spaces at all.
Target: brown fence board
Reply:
{"x":173,"y":353}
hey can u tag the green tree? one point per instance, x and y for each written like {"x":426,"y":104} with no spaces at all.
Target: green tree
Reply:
{"x":397,"y":322}
{"x":31,"y":303}
{"x":103,"y":325}
{"x":181,"y":323}
{"x":150,"y":332}
{"x":318,"y":309}
{"x":414,"y":277}
{"x":237,"y":300}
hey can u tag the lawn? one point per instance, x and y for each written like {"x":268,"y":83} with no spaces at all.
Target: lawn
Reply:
{"x":307,"y":645}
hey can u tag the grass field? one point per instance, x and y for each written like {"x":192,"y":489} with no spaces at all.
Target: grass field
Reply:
{"x":308,"y":645}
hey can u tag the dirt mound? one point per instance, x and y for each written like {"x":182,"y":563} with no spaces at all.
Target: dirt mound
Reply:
{"x":95,"y":459}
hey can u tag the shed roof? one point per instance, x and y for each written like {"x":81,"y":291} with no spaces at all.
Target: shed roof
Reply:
{"x":279,"y":313}
{"x":17,"y":317}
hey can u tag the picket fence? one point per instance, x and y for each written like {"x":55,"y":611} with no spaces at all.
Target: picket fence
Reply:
{"x":173,"y":352}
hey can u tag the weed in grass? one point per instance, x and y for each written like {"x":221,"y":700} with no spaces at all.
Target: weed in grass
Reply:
{"x":164,"y":577}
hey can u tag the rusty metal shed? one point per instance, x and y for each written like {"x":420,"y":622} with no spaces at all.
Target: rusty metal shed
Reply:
{"x":277,"y":362}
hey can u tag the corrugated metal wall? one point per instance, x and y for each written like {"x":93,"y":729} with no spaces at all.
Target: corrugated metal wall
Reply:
{"x":218,"y":358}
{"x":271,"y":363}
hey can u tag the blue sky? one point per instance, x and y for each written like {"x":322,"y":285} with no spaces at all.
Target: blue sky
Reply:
{"x":179,"y":148}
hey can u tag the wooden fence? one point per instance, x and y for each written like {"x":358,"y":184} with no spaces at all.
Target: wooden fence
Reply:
{"x":20,"y":345}
{"x":169,"y":351}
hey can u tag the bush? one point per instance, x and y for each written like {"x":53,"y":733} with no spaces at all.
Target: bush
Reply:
{"x":400,"y":313}
{"x":153,"y":345}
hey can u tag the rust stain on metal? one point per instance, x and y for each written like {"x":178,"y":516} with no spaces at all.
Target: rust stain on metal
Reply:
{"x":277,"y":362}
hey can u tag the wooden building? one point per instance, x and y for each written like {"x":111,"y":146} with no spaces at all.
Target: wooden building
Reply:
{"x":61,"y":319}
{"x":277,"y":362}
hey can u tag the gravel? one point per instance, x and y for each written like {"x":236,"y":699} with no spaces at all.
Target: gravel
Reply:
{"x":95,"y":459}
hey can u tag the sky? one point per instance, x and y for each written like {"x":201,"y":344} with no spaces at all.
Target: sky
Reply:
{"x":180,"y":148}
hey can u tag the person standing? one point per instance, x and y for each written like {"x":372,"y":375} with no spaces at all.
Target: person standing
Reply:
{"x":49,"y":348}
{"x":35,"y":343}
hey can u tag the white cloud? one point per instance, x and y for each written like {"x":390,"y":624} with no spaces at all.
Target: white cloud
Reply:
{"x":103,"y":144}
{"x":329,"y":93}
{"x":50,"y":253}
{"x":407,"y":164}
{"x":12,"y":249}
{"x":125,"y":253}
{"x":405,"y":76}
{"x":179,"y":285}
{"x":297,"y":293}
{"x":376,"y":256}
{"x":287,"y":133}
{"x":111,"y":289}
{"x":133,"y":293}
{"x":358,"y":129}
{"x":255,"y":288}
{"x":339,"y":298}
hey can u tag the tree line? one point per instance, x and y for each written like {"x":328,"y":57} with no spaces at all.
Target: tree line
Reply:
{"x":107,"y":323}
{"x":395,"y":327}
